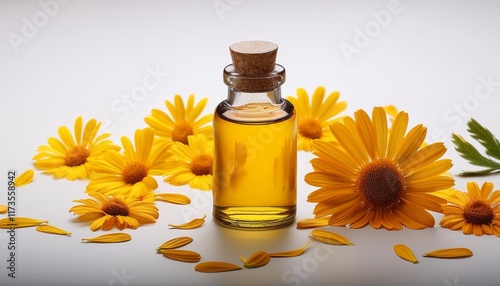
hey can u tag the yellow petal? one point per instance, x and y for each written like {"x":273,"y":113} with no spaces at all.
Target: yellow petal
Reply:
{"x":216,"y":266}
{"x":52,"y":229}
{"x":173,"y":198}
{"x":181,"y":255}
{"x":197,"y":222}
{"x":455,"y":252}
{"x":330,"y":237}
{"x":109,"y":238}
{"x":3,"y":209}
{"x":405,"y":252}
{"x":313,"y":222}
{"x":25,"y":178}
{"x":258,"y":259}
{"x":175,"y":242}
{"x":18,"y":222}
{"x":445,"y":194}
{"x":290,"y":253}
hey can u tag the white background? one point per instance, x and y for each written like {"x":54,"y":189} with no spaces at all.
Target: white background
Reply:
{"x":59,"y":60}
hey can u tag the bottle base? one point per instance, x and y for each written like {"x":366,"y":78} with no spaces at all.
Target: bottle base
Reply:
{"x":254,"y":218}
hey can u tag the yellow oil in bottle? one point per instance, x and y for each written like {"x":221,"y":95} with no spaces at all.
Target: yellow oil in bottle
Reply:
{"x":255,"y":165}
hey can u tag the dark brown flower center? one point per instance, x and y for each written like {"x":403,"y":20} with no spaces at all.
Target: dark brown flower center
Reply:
{"x":134,"y":172}
{"x":479,"y":212}
{"x":380,"y":184}
{"x":76,"y":156}
{"x":202,"y":165}
{"x":181,"y":132}
{"x":310,"y":128}
{"x":115,"y":207}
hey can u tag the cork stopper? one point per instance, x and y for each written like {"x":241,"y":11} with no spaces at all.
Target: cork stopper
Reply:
{"x":254,"y":58}
{"x":254,"y":67}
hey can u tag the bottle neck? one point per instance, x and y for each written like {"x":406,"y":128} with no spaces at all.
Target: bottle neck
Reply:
{"x":254,"y":91}
{"x":237,"y":98}
{"x":254,"y":83}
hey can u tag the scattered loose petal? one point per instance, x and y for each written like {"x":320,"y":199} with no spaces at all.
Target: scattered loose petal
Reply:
{"x":258,"y":259}
{"x":52,"y":230}
{"x":3,"y":209}
{"x":176,"y":242}
{"x":173,"y":198}
{"x":290,"y":253}
{"x":405,"y":252}
{"x":25,"y":178}
{"x":18,"y":222}
{"x":330,"y":237}
{"x":216,"y":266}
{"x":181,"y":255}
{"x":313,"y":222}
{"x":109,"y":238}
{"x":197,"y":222}
{"x":455,"y":252}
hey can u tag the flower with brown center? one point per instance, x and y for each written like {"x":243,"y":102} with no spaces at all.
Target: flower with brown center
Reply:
{"x":70,"y":157}
{"x":376,"y":177}
{"x":130,"y":172}
{"x":115,"y":211}
{"x":381,"y":184}
{"x":191,"y":164}
{"x":182,"y":122}
{"x":314,"y":117}
{"x":476,"y":211}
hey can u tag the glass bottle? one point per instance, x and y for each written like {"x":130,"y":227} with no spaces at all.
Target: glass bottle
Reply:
{"x":255,"y":139}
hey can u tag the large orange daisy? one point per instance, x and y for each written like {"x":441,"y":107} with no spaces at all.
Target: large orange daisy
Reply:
{"x":384,"y":179}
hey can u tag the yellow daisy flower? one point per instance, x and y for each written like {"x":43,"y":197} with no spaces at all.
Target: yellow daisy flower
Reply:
{"x":476,"y":211}
{"x":115,"y":211}
{"x":191,"y":164}
{"x":376,"y":177}
{"x":313,"y":118}
{"x":70,"y":156}
{"x":182,"y":122}
{"x":130,"y":172}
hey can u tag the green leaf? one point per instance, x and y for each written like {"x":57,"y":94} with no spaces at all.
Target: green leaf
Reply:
{"x":485,"y":137}
{"x":471,"y":154}
{"x":478,"y":173}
